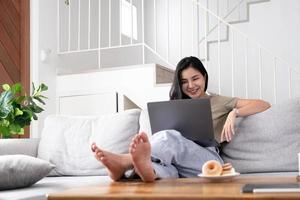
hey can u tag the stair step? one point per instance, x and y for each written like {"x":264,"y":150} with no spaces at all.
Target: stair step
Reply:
{"x":163,"y":75}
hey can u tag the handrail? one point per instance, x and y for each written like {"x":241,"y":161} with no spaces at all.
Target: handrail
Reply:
{"x":227,"y":15}
{"x":243,"y":34}
{"x":158,"y":55}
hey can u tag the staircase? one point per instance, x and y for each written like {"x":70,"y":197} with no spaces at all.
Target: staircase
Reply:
{"x":237,"y":65}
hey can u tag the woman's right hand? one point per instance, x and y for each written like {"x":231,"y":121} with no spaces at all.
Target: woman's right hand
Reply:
{"x":228,"y":128}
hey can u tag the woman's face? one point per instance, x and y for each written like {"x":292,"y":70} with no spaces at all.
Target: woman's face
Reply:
{"x":192,"y":83}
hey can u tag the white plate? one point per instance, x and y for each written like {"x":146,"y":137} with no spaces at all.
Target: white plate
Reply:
{"x":220,"y":178}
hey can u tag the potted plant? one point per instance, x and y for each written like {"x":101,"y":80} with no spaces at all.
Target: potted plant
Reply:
{"x":17,"y":109}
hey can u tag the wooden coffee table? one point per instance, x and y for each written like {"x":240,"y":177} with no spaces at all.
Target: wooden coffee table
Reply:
{"x":178,"y":189}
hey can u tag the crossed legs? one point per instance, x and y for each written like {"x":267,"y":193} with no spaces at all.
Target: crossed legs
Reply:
{"x":139,"y":157}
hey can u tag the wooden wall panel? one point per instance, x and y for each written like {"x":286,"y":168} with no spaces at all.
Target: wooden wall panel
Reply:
{"x":7,"y":62}
{"x":14,"y":43}
{"x":12,"y":13}
{"x":13,"y":52}
{"x":6,"y":21}
{"x":16,"y":4}
{"x":25,"y":44}
{"x":4,"y":76}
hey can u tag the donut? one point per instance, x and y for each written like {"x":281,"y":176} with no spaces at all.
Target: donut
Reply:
{"x":227,"y":166}
{"x":212,"y":168}
{"x":227,"y":169}
{"x":228,"y":172}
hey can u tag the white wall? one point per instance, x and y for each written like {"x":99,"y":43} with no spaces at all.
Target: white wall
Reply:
{"x":276,"y":25}
{"x":44,"y":36}
{"x":168,"y":23}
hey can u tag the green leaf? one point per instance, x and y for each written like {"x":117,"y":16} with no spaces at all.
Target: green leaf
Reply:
{"x":21,"y":131}
{"x":5,"y":132}
{"x":33,"y":87}
{"x":4,"y":123}
{"x":5,"y":105}
{"x":37,"y":109}
{"x":6,"y":87}
{"x":20,"y":99}
{"x":43,"y":87}
{"x":18,"y":112}
{"x":15,"y":128}
{"x":16,"y":88}
{"x":34,"y":116}
{"x":41,"y":96}
{"x":25,"y":119}
{"x":39,"y":99}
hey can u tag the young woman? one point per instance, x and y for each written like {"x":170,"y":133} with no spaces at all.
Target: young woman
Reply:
{"x":167,"y":154}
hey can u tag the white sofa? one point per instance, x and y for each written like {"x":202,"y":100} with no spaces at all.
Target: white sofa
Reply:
{"x":265,"y":143}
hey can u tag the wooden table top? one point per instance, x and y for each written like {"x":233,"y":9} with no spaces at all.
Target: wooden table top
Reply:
{"x":177,"y":189}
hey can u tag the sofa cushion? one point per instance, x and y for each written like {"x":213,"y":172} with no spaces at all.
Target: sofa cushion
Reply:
{"x":267,"y":141}
{"x":145,"y":123}
{"x":18,"y":171}
{"x":66,"y":140}
{"x":26,"y":146}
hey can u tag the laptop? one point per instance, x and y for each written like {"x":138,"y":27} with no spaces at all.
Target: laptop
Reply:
{"x":191,"y":117}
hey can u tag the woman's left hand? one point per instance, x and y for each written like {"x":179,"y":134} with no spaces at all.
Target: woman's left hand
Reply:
{"x":228,"y":128}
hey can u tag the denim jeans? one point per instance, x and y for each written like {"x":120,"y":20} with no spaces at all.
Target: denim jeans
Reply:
{"x":175,"y":156}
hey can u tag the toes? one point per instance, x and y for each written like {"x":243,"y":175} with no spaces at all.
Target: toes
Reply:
{"x":144,"y":137}
{"x":99,"y":153}
{"x":136,"y":139}
{"x":93,"y":147}
{"x":103,"y":159}
{"x":131,"y":150}
{"x":133,"y":145}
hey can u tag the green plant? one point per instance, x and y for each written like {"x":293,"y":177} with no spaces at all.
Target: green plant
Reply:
{"x":18,"y":109}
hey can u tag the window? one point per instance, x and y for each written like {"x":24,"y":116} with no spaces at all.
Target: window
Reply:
{"x":129,"y":20}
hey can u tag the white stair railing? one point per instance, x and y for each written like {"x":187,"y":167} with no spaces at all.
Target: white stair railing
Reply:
{"x":67,"y":22}
{"x":226,"y":75}
{"x":225,"y":17}
{"x":275,"y":60}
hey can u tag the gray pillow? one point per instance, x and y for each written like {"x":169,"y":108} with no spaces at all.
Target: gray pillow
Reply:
{"x":267,"y":141}
{"x":18,"y":171}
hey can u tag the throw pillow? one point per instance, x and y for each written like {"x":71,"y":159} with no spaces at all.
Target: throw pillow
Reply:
{"x":145,"y":123}
{"x":66,"y":140}
{"x":267,"y":141}
{"x":17,"y":171}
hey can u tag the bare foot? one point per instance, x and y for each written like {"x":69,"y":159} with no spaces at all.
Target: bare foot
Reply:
{"x":116,"y":164}
{"x":140,"y":150}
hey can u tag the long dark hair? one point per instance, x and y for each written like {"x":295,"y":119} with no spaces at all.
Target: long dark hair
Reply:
{"x":176,"y":91}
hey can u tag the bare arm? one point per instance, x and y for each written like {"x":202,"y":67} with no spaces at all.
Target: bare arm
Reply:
{"x":246,"y":107}
{"x":243,"y":108}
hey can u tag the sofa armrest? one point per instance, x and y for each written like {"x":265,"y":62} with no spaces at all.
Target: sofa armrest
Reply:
{"x":19,"y":146}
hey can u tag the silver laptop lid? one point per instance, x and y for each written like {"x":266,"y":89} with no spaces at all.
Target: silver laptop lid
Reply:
{"x":191,"y":117}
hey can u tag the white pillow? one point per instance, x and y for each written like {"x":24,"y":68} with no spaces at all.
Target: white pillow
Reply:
{"x":66,"y":140}
{"x":145,"y":122}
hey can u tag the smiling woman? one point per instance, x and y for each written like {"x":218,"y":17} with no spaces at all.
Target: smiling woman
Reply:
{"x":193,"y":83}
{"x":167,"y":154}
